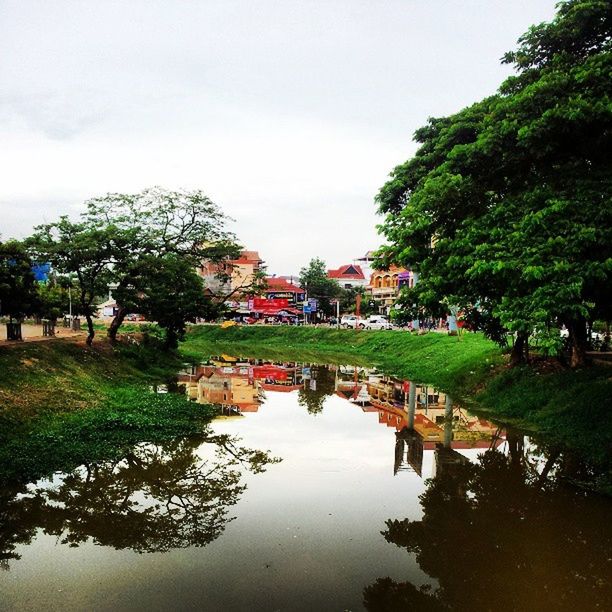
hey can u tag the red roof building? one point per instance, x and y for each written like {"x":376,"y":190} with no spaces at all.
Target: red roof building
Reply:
{"x":348,"y":276}
{"x":281,"y":288}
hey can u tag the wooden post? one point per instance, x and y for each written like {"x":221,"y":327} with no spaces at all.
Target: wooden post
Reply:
{"x":13,"y":331}
{"x":48,"y":328}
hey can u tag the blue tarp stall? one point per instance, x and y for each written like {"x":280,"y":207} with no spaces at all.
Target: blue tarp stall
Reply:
{"x":41,"y":272}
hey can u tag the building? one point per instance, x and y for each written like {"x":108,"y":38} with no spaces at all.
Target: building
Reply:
{"x":281,"y":288}
{"x":244,"y":269}
{"x":348,"y":276}
{"x":385,"y":286}
{"x":366,"y":263}
{"x":229,"y":277}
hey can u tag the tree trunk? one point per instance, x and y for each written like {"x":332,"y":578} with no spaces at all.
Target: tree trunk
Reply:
{"x":577,"y":331}
{"x":515,"y":446}
{"x":171,"y":338}
{"x":517,"y":356}
{"x":90,"y":327}
{"x":116,"y":324}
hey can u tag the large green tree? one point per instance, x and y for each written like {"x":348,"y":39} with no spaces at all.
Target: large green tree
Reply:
{"x":506,"y":208}
{"x":160,"y":223}
{"x":131,"y":241}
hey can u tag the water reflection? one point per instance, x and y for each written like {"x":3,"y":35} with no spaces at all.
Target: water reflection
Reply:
{"x":474,"y":516}
{"x":422,"y":417}
{"x":502,"y":533}
{"x":154,"y":498}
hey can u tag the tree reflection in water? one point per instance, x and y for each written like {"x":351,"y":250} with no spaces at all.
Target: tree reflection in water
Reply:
{"x":154,"y":499}
{"x":317,"y":389}
{"x":502,"y":535}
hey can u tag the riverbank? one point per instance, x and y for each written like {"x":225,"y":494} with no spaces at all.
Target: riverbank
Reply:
{"x":63,"y":404}
{"x":570,"y":408}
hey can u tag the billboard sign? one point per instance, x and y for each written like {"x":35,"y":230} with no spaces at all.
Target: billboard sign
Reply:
{"x":266,"y":304}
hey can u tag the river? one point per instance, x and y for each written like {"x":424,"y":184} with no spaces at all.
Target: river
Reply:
{"x":316,"y":488}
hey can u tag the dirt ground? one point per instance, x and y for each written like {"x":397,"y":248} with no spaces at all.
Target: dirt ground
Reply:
{"x":34,"y":333}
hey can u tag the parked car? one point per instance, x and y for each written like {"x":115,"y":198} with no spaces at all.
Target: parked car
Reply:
{"x":377,"y":322}
{"x":353,"y":321}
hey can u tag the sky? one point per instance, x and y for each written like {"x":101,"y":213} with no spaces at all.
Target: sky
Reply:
{"x":289,"y":114}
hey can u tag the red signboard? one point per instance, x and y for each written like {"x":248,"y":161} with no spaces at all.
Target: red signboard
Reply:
{"x":274,"y":304}
{"x":269,"y":372}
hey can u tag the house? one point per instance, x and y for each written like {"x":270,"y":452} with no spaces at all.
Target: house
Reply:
{"x":229,"y":277}
{"x":385,"y":286}
{"x":281,"y":288}
{"x":348,"y":276}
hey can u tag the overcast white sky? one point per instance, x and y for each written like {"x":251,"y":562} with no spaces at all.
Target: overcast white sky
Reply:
{"x":289,"y":114}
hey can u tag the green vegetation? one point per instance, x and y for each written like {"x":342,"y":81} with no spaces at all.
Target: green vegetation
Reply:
{"x":147,"y":244}
{"x":64,"y":404}
{"x":452,"y":362}
{"x":63,"y":441}
{"x":313,"y":278}
{"x":570,"y":407}
{"x":17,"y":285}
{"x":505,"y":211}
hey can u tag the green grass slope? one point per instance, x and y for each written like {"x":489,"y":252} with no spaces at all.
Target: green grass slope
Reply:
{"x":572,"y":408}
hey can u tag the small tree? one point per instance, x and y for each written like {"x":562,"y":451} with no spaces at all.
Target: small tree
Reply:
{"x":173,"y":296}
{"x":53,"y":298}
{"x":17,"y":285}
{"x":348,"y":301}
{"x":85,"y":250}
{"x":314,"y":280}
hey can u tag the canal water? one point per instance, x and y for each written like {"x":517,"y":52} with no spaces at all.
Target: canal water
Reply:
{"x":316,"y":488}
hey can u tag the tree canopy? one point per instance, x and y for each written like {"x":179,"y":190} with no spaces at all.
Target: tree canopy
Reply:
{"x":506,"y":208}
{"x":134,"y":243}
{"x":159,"y":223}
{"x":314,"y":280}
{"x":17,"y":285}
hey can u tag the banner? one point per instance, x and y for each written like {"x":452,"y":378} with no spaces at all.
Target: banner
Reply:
{"x":266,"y":304}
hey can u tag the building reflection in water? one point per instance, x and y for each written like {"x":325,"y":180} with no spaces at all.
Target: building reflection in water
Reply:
{"x":424,"y":419}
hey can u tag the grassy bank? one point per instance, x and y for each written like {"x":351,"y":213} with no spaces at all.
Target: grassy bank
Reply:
{"x":572,"y":408}
{"x":63,"y":404}
{"x":452,"y":362}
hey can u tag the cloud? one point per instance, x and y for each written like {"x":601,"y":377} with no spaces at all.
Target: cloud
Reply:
{"x":289,"y":114}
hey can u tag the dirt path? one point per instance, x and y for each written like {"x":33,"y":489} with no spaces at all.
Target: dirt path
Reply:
{"x":34,"y":333}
